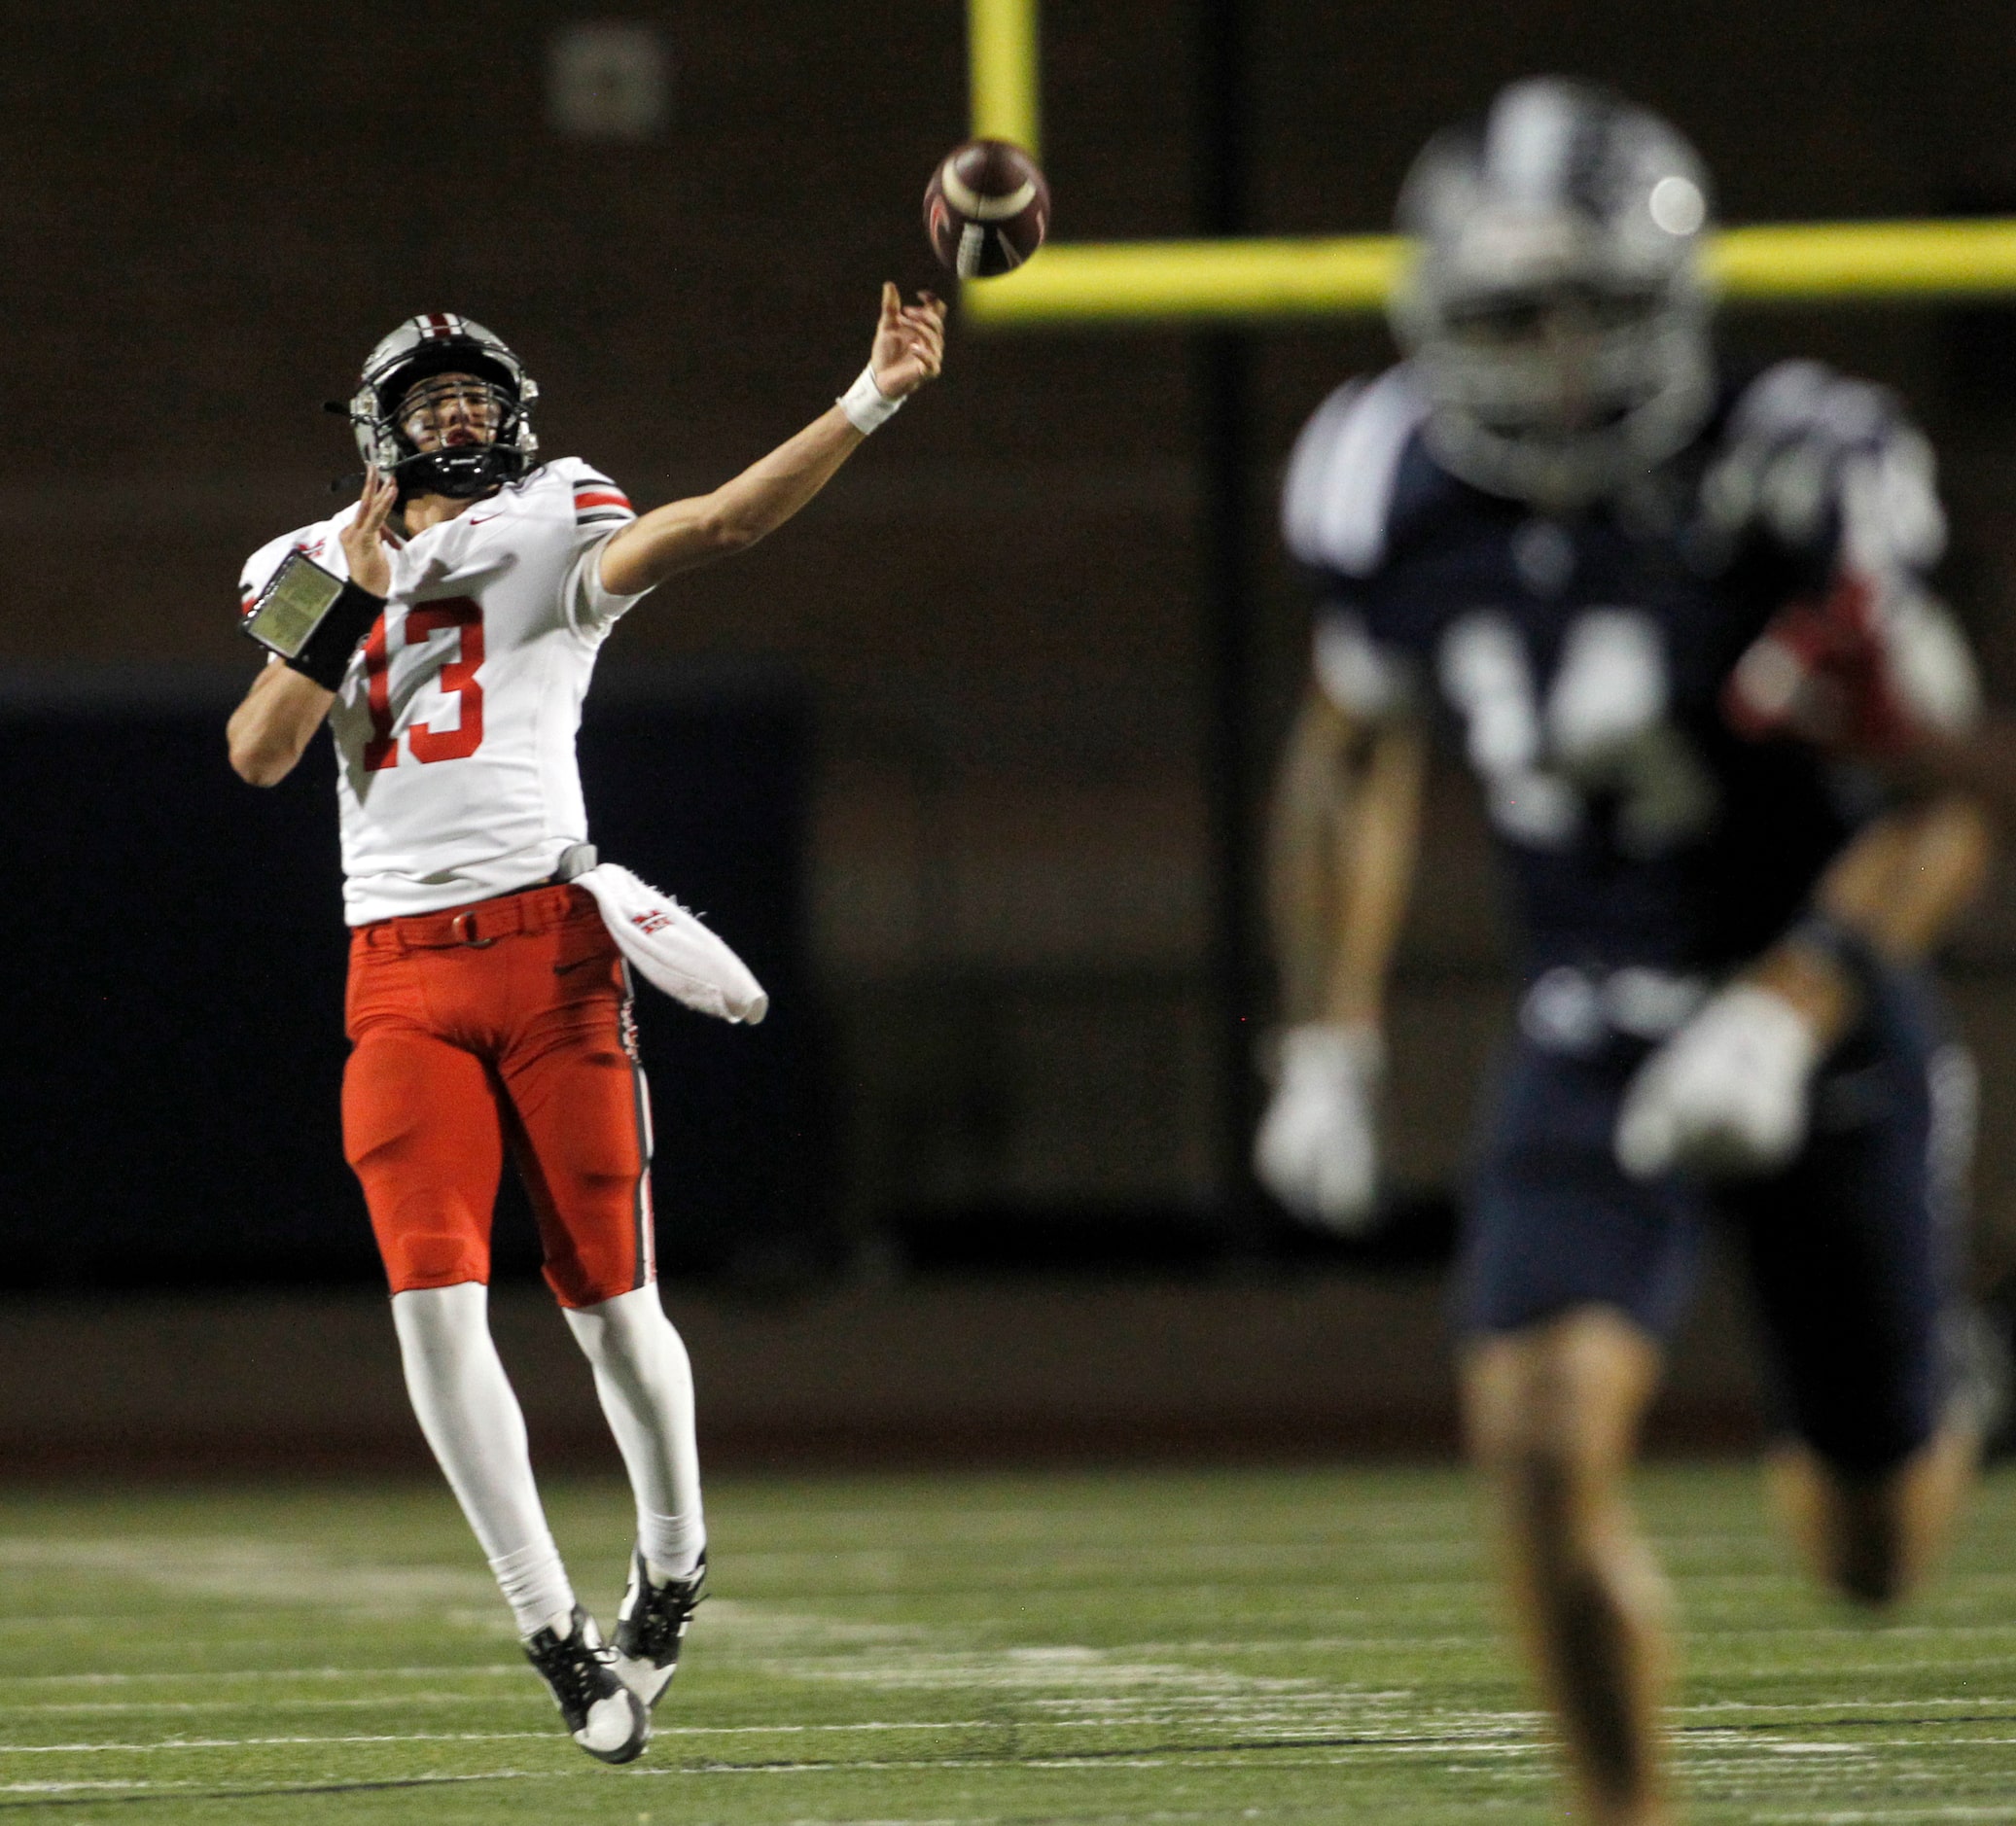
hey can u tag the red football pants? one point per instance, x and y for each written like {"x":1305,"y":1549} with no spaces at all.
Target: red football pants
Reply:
{"x":505,"y":1023}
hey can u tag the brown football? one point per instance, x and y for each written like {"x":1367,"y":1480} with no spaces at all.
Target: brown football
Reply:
{"x":986,"y":208}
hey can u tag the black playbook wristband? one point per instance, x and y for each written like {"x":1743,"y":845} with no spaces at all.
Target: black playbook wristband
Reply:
{"x":325,"y":657}
{"x":312,"y":620}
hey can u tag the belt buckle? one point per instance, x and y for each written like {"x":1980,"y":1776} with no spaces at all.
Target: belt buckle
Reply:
{"x":463,"y":925}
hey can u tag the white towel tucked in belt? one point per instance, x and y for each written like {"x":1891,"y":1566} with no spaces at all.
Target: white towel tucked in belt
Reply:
{"x":671,"y":949}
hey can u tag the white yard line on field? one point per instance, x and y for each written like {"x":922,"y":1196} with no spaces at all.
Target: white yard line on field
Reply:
{"x":97,"y":1708}
{"x":1318,"y":1644}
{"x":242,"y":1626}
{"x":205,"y":1790}
{"x":268,"y":1674}
{"x":486,"y":1737}
{"x":1709,"y":1708}
{"x":262,"y":1744}
{"x":1049,"y":1558}
{"x":1948,"y":1665}
{"x":1471,"y":1732}
{"x":1485,"y":1739}
{"x":255,"y":1571}
{"x":1868,"y":1816}
{"x":1712,"y":1631}
{"x":1244,"y":1756}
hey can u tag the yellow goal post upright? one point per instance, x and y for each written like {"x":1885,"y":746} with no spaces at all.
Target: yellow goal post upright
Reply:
{"x":1282,"y":278}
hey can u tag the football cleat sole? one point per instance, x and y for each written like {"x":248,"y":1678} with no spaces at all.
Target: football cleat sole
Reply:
{"x":603,"y":1713}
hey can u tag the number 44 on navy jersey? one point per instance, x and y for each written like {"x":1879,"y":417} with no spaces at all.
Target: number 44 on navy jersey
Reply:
{"x":1607,"y":673}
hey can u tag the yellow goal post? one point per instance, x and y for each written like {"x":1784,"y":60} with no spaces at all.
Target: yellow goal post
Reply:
{"x":1276,"y":278}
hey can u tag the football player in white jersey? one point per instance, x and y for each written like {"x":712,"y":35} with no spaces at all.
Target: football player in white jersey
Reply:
{"x":445,"y":628}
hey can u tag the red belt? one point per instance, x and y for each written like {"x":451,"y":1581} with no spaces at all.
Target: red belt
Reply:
{"x":541,"y":909}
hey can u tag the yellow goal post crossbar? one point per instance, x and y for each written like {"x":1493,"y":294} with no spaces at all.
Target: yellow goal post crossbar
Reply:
{"x":1289,"y":277}
{"x":1137,"y":282}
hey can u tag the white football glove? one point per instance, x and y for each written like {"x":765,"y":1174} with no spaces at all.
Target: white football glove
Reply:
{"x":1316,"y":1149}
{"x":1726,"y":1096}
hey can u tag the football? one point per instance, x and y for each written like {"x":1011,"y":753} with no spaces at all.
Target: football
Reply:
{"x":986,"y":208}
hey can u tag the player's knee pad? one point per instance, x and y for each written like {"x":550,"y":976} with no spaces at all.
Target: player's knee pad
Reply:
{"x":428,"y":1242}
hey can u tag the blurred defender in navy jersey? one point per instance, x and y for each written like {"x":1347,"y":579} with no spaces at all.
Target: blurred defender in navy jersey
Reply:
{"x":1667,"y":613}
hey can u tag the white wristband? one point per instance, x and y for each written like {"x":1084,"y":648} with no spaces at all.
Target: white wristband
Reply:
{"x":866,"y":405}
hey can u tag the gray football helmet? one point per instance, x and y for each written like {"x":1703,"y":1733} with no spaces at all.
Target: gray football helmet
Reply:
{"x":423,"y":347}
{"x":1555,"y":303}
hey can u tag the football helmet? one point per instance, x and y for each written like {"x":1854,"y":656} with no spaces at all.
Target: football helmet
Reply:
{"x":1555,"y":302}
{"x":385,"y":414}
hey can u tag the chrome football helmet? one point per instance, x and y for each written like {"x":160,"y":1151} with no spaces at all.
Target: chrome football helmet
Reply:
{"x":395,"y":407}
{"x":1555,"y":303}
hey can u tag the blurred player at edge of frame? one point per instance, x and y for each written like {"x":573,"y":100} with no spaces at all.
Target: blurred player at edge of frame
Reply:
{"x":1619,"y":570}
{"x":469,"y":591}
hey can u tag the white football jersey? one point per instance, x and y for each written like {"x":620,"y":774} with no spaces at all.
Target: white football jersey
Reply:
{"x":454,"y":727}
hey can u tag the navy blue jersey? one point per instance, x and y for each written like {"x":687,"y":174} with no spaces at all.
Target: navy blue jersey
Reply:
{"x":1581,"y":659}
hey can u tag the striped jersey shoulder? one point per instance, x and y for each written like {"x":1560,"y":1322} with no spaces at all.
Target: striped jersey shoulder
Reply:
{"x":597,"y":501}
{"x":317,"y":541}
{"x":1342,"y":479}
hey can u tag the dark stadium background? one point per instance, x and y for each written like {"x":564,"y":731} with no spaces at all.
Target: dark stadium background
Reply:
{"x":962,"y":758}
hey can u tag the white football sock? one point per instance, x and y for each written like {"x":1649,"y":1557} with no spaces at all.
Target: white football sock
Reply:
{"x":646,"y":1382}
{"x":472,"y":1420}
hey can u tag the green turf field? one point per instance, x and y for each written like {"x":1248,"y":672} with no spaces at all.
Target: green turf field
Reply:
{"x":1299,"y":1646}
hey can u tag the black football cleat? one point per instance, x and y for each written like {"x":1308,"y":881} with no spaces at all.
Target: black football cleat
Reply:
{"x":652,"y":1625}
{"x":603,"y":1715}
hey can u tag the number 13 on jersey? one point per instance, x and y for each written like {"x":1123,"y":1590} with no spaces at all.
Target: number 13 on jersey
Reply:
{"x":456,"y":675}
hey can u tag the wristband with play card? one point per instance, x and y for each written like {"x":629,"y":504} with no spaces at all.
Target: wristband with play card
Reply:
{"x":312,"y":618}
